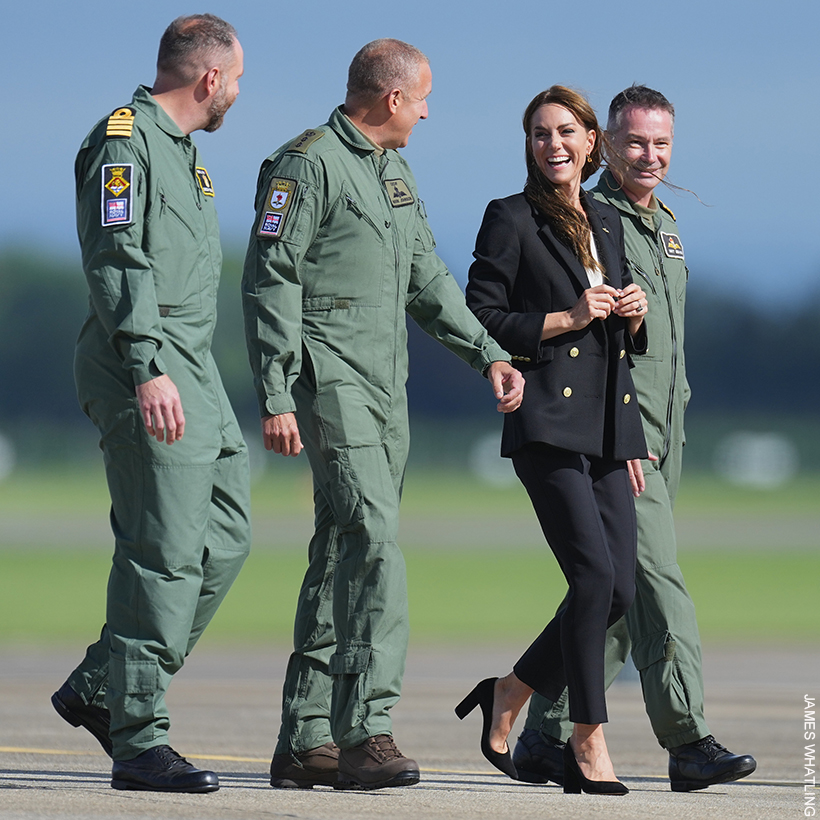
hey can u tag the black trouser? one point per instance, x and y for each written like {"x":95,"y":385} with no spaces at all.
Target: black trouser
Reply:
{"x":587,"y":512}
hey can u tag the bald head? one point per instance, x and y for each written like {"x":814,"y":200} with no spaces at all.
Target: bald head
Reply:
{"x":380,"y":67}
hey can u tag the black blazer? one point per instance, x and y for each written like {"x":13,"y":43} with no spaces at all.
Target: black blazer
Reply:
{"x":579,"y":393}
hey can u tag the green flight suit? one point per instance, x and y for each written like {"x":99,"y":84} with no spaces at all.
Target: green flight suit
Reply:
{"x":660,"y":627}
{"x":180,"y":513}
{"x":340,"y":251}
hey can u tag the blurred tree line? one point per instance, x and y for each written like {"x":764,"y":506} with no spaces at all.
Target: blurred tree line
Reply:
{"x":748,"y":366}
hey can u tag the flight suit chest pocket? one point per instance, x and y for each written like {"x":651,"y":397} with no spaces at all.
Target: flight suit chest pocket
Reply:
{"x":353,"y":208}
{"x":175,"y":240}
{"x":423,"y":233}
{"x":683,"y":279}
{"x":641,"y":277}
{"x":351,"y":255}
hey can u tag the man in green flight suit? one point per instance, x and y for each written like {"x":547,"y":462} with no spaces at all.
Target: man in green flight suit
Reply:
{"x":660,"y":627}
{"x":339,"y":252}
{"x":146,"y":378}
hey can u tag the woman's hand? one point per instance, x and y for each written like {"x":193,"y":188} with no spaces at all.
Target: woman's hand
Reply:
{"x":595,"y":303}
{"x":636,"y":477}
{"x":632,"y":305}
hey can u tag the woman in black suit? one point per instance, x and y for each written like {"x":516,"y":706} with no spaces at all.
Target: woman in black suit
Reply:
{"x":550,"y":284}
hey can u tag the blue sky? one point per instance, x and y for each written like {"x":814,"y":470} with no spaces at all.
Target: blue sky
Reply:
{"x":744,"y":77}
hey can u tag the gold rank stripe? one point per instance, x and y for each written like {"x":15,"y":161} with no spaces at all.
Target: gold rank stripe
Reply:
{"x":120,"y":123}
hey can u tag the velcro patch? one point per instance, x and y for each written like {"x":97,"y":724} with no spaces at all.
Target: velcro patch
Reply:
{"x":305,"y":140}
{"x":120,"y":123}
{"x":277,"y":207}
{"x":204,"y":180}
{"x":672,"y":245}
{"x":398,"y":192}
{"x":117,"y":194}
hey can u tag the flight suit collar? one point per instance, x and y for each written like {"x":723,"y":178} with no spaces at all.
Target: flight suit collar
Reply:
{"x":149,"y":106}
{"x":345,"y":128}
{"x":609,"y":187}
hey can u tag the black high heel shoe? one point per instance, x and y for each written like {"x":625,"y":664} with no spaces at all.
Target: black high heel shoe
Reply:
{"x":575,"y":782}
{"x":484,"y":695}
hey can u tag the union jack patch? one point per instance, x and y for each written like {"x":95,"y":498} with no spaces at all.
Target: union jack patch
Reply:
{"x":117,"y":193}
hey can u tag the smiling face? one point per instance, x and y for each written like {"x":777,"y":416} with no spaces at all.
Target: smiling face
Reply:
{"x":642,"y":149}
{"x":560,"y":145}
{"x":410,"y":107}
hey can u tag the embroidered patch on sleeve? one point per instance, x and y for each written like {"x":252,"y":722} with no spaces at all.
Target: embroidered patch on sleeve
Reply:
{"x":305,"y":140}
{"x":117,"y":194}
{"x":277,"y":207}
{"x":398,"y":192}
{"x":204,"y":180}
{"x":672,"y":245}
{"x":120,"y":123}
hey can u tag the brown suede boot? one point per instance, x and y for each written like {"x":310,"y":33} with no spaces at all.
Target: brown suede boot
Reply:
{"x":375,"y":764}
{"x":315,"y":767}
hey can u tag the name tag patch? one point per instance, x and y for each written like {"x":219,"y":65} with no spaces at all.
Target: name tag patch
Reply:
{"x":278,"y":204}
{"x":398,"y":192}
{"x":672,"y":245}
{"x":204,"y":180}
{"x":117,"y":191}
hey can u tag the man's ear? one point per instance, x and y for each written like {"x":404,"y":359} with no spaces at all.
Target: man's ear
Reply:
{"x":212,"y":80}
{"x":393,"y":100}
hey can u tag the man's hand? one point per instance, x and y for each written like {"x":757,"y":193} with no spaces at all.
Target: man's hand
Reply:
{"x":281,"y":434}
{"x":636,"y":478}
{"x":161,"y":409}
{"x":508,"y":386}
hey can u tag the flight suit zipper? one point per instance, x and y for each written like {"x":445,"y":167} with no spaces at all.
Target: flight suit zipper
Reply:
{"x":645,"y":276}
{"x":667,"y":440}
{"x":354,"y":206}
{"x":399,"y":307}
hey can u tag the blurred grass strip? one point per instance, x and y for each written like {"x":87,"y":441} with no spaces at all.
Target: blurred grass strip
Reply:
{"x":53,"y":597}
{"x":287,"y":486}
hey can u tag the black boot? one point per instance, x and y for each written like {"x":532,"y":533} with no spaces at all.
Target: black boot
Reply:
{"x":161,"y":769}
{"x":704,"y":763}
{"x":73,"y":709}
{"x":539,"y":758}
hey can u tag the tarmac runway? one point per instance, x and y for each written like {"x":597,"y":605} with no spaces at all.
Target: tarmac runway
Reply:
{"x":224,"y":706}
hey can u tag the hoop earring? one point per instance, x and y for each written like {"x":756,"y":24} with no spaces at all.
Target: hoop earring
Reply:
{"x":589,"y":158}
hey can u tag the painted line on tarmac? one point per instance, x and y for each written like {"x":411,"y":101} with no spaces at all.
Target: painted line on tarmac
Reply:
{"x":23,"y":751}
{"x":26,"y":751}
{"x":456,"y":772}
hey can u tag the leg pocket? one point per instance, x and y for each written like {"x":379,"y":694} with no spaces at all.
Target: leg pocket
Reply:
{"x":132,"y":691}
{"x":667,"y":697}
{"x":344,"y":491}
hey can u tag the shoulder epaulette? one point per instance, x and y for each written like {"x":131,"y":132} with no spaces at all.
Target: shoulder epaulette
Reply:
{"x":667,"y":209}
{"x":120,"y":123}
{"x":305,"y":140}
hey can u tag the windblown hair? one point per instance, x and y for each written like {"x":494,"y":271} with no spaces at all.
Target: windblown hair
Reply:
{"x":548,"y":198}
{"x":380,"y":67}
{"x":193,"y":44}
{"x":638,"y":96}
